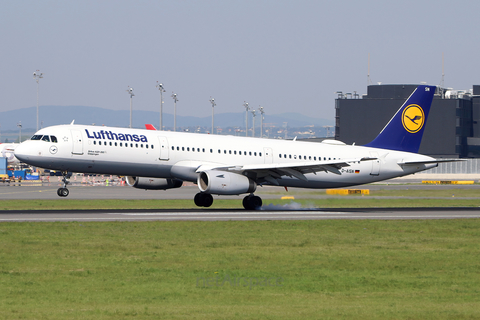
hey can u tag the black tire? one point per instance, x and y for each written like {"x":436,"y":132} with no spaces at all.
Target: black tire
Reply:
{"x":198,"y":199}
{"x":207,"y":200}
{"x":58,"y":192}
{"x":252,"y":202}
{"x":64,"y":192}
{"x":256,"y":202}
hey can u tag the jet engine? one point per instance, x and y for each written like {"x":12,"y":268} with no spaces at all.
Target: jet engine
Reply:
{"x":228,"y":183}
{"x":153,"y":183}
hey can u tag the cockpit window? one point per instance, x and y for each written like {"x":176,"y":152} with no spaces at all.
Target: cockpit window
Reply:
{"x":54,"y":139}
{"x":37,"y":137}
{"x":46,"y":138}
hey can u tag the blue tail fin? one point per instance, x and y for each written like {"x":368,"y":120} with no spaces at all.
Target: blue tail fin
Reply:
{"x":405,"y":130}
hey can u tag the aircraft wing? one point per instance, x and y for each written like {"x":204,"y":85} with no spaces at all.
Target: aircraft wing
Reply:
{"x":274,"y":171}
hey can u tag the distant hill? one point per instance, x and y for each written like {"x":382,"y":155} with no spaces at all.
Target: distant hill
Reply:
{"x":54,"y":115}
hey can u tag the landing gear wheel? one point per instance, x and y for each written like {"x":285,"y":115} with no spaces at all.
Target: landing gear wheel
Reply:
{"x":252,"y":202}
{"x":63,"y":192}
{"x":203,"y":199}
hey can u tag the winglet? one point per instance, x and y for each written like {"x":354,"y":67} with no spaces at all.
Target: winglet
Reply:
{"x":405,"y":130}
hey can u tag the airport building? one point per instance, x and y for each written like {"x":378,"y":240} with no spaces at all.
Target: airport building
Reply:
{"x":452,"y":129}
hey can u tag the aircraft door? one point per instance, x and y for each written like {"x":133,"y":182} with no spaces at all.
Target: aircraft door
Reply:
{"x":268,"y":155}
{"x":163,"y":148}
{"x":375,"y":164}
{"x":77,"y":142}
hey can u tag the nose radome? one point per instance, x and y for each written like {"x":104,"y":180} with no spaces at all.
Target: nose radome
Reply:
{"x":21,"y":151}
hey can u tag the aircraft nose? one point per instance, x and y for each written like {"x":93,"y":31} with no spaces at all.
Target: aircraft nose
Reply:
{"x":22,"y":152}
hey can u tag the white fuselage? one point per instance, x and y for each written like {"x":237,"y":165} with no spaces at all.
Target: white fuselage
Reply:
{"x":165,"y":154}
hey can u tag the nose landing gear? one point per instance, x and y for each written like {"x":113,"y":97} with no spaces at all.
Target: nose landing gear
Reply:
{"x":63,"y":192}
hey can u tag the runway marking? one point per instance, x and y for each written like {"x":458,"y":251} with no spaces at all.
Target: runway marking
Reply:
{"x":231,"y":214}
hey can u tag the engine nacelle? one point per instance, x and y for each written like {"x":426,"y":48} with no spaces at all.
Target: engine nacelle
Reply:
{"x":228,"y":183}
{"x":153,"y":183}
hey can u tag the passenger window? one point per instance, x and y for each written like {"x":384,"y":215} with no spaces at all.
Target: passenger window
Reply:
{"x":94,"y":142}
{"x":285,"y":156}
{"x":173,"y":148}
{"x":255,"y":154}
{"x":235,"y":152}
{"x":131,"y":145}
{"x":141,"y":145}
{"x":193,"y":149}
{"x":152,"y":146}
{"x":46,"y":138}
{"x":290,"y":156}
{"x":178,"y":148}
{"x":198,"y":150}
{"x":260,"y":154}
{"x":279,"y":155}
{"x":249,"y":153}
{"x":110,"y":143}
{"x":105,"y":143}
{"x":183,"y":148}
{"x":188,"y":148}
{"x":115,"y":144}
{"x":146,"y":146}
{"x":54,"y":139}
{"x":229,"y":151}
{"x":136,"y":145}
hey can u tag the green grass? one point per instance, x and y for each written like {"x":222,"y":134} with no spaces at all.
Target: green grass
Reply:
{"x":330,"y":269}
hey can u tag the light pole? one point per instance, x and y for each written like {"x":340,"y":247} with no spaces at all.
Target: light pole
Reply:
{"x":261,"y":121}
{"x":175,"y":99}
{"x":37,"y":76}
{"x":212,"y":101}
{"x":130,"y":92}
{"x":19,"y":125}
{"x":253,"y":128}
{"x":162,"y":90}
{"x":245,"y":104}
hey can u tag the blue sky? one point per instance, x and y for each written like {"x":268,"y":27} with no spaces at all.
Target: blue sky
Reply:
{"x":287,"y":56}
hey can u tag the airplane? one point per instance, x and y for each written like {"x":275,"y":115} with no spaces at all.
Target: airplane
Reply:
{"x":7,"y":151}
{"x":232,"y":165}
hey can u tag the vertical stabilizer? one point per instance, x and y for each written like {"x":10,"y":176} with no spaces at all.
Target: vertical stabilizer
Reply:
{"x":405,"y":130}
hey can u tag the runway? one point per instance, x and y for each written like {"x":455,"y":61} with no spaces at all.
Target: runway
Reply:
{"x":239,"y":215}
{"x":269,"y":212}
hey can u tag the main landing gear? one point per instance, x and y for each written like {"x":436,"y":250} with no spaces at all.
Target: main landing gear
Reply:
{"x":250,"y":202}
{"x":203,"y":199}
{"x":63,"y":192}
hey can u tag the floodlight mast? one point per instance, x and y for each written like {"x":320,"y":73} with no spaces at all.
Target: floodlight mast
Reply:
{"x":253,"y":128}
{"x":175,"y":99}
{"x":19,"y":125}
{"x":212,"y":101}
{"x":162,"y":90}
{"x":37,"y":76}
{"x":261,"y":121}
{"x":245,"y":104}
{"x":130,"y":92}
